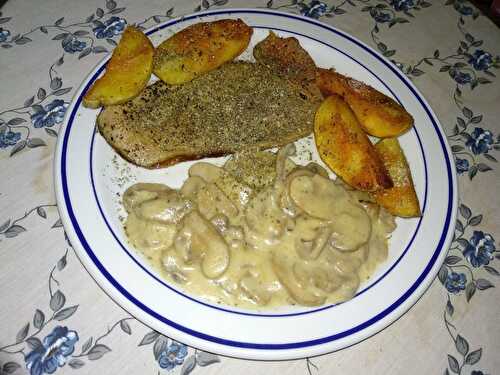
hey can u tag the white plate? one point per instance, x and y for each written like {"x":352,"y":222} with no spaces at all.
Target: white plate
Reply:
{"x":88,"y":176}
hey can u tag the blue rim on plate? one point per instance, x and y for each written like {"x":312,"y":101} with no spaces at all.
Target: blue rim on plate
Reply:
{"x":451,"y":204}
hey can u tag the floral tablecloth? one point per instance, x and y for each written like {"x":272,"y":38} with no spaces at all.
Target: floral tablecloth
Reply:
{"x":55,"y":318}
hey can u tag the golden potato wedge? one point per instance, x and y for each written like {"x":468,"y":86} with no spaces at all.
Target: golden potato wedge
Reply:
{"x":287,"y":58}
{"x":401,"y":199}
{"x":127,"y":72}
{"x":345,"y":148}
{"x":378,"y":114}
{"x":200,"y":48}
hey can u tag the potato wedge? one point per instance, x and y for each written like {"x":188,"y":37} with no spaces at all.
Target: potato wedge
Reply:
{"x":200,"y":48}
{"x":127,"y":72}
{"x":401,"y":199}
{"x":346,"y":149}
{"x":287,"y":58}
{"x":378,"y":114}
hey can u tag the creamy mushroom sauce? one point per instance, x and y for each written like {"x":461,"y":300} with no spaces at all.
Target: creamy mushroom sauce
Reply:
{"x":259,"y":237}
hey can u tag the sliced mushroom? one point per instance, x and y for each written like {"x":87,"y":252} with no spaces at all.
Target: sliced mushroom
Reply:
{"x":326,"y":281}
{"x":168,"y":207}
{"x":347,"y":289}
{"x":172,"y":267}
{"x":182,"y":246}
{"x":286,"y":202}
{"x":192,"y":186}
{"x":318,"y":196}
{"x":316,"y":276}
{"x":142,"y":192}
{"x":308,"y":227}
{"x":206,"y":203}
{"x":208,"y":243}
{"x":350,"y":230}
{"x":321,"y":198}
{"x":345,"y":263}
{"x":317,"y":169}
{"x":149,"y":236}
{"x":207,"y":171}
{"x":361,"y":196}
{"x":312,"y":249}
{"x":299,"y":292}
{"x":253,"y":289}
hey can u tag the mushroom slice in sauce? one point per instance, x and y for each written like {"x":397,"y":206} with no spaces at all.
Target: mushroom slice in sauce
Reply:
{"x":298,"y":291}
{"x":312,"y":249}
{"x":142,"y":192}
{"x":207,"y":171}
{"x":253,"y":289}
{"x":208,"y":243}
{"x":321,"y":198}
{"x":192,"y":186}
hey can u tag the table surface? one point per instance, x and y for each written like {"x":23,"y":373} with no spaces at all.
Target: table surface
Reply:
{"x":54,"y":317}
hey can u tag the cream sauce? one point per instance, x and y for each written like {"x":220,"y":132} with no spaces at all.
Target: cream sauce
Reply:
{"x":256,"y":241}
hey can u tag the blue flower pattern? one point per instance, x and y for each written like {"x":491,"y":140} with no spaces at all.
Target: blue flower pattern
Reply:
{"x":4,"y":34}
{"x":51,"y":114}
{"x":481,"y":60}
{"x":56,"y":347}
{"x":455,"y":282}
{"x":462,"y":165}
{"x":479,"y":251}
{"x":172,"y":356}
{"x":459,"y":77}
{"x":110,"y":28}
{"x":402,"y":5}
{"x":463,"y":8}
{"x":315,"y":9}
{"x":8,"y":138}
{"x":480,"y":141}
{"x":71,"y":44}
{"x":380,"y":16}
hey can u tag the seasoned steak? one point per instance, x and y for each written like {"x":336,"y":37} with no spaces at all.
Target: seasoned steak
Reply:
{"x":240,"y":105}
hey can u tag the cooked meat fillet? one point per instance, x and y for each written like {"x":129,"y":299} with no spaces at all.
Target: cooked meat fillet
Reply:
{"x":237,"y":106}
{"x":286,"y":57}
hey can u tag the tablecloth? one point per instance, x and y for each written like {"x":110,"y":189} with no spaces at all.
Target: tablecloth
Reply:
{"x":55,"y":318}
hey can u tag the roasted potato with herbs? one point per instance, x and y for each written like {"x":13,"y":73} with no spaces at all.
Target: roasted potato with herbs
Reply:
{"x":401,"y":199}
{"x":287,"y":58}
{"x":346,"y":149}
{"x":127,"y":72}
{"x":200,"y":48}
{"x":378,"y":114}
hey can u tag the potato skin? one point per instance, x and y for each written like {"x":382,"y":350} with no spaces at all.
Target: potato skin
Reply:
{"x":346,"y":149}
{"x":127,"y":72}
{"x":401,"y":199}
{"x":378,"y":114}
{"x":200,"y":48}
